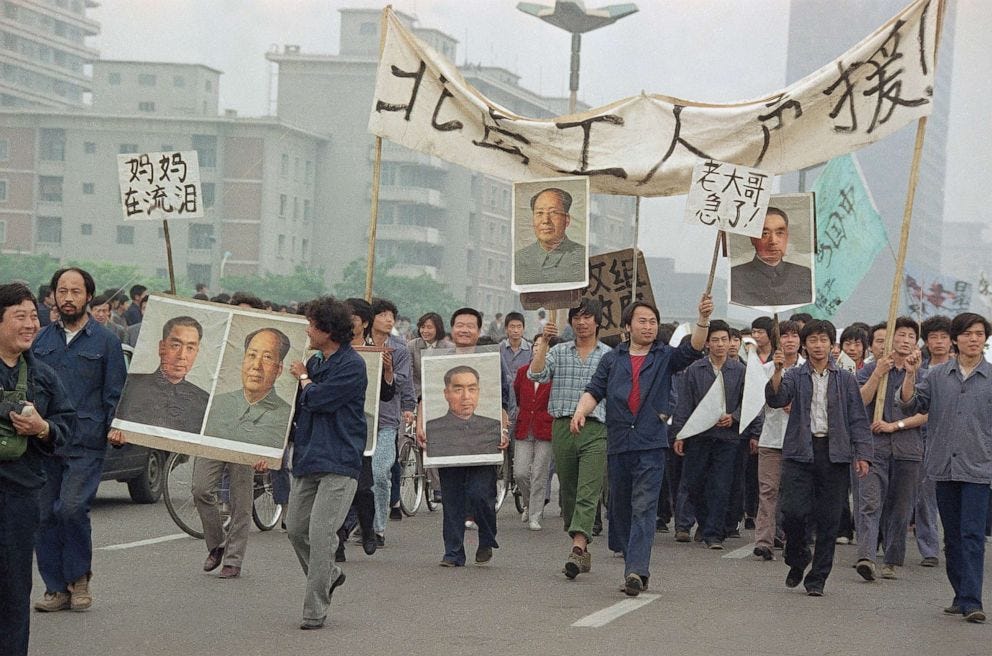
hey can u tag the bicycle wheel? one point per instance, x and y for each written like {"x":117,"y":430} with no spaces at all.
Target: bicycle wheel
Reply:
{"x":265,"y":512}
{"x":518,"y":499}
{"x":411,"y":479}
{"x":504,"y":474}
{"x":178,"y":494}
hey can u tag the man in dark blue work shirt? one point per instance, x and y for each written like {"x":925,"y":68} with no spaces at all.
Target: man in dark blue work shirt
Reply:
{"x":89,"y":361}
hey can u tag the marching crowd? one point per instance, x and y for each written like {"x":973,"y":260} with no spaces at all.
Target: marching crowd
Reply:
{"x":816,"y":467}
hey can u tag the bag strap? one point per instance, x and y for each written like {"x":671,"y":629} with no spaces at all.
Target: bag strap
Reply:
{"x":22,"y":376}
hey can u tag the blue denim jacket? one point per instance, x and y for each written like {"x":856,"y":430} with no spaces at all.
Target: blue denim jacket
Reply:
{"x":848,"y":428}
{"x":92,"y":371}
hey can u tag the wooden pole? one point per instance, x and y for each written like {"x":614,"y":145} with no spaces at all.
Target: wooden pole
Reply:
{"x":633,"y":248}
{"x":716,"y":253}
{"x":376,"y":176}
{"x":168,"y":256}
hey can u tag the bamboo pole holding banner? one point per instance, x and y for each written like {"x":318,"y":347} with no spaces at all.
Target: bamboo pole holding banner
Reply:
{"x":168,"y":256}
{"x":907,"y":216}
{"x":716,"y":253}
{"x":633,"y":248}
{"x":376,"y":176}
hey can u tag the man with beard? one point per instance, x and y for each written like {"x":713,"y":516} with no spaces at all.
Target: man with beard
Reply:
{"x":89,"y":361}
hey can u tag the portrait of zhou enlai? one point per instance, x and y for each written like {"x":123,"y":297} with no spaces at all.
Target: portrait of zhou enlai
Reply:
{"x":553,"y":256}
{"x":164,"y":397}
{"x":460,"y":431}
{"x":768,"y":280}
{"x":254,"y":413}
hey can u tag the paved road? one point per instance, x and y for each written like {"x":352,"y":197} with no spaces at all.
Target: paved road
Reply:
{"x":154,"y":599}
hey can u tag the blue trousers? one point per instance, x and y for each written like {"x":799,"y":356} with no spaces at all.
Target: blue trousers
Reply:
{"x":467,"y":491}
{"x":963,"y":507}
{"x":65,"y":539}
{"x":18,"y":523}
{"x":709,"y":474}
{"x":635,"y":483}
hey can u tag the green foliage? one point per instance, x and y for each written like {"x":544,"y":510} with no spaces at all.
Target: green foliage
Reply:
{"x":37,"y":270}
{"x":302,"y":285}
{"x":413,"y":296}
{"x":34,"y":270}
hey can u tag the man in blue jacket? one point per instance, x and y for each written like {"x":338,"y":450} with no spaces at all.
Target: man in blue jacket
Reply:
{"x":328,"y":441}
{"x":635,"y":379}
{"x":42,"y":431}
{"x":89,"y":361}
{"x":828,"y":428}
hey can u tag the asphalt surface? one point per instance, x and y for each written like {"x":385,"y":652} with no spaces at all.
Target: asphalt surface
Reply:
{"x":154,"y":599}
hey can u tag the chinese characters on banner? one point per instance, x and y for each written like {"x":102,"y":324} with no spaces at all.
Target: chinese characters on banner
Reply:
{"x":929,"y":294}
{"x":160,"y":185}
{"x":731,"y":197}
{"x":647,"y":145}
{"x":610,"y":278}
{"x":849,"y":233}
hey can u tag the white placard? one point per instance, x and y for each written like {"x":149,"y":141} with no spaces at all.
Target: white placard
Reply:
{"x":164,"y":185}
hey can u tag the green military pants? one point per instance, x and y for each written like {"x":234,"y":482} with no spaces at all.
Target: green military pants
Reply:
{"x":580,"y":461}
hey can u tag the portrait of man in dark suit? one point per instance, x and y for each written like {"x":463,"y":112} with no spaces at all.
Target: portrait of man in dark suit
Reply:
{"x":461,"y":432}
{"x":552,"y":257}
{"x":164,"y":397}
{"x":768,"y":280}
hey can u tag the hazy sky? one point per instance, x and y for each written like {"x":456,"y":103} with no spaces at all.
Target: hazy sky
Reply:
{"x":705,"y":50}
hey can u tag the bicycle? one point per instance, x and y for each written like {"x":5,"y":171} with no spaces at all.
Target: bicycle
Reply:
{"x":505,"y":481}
{"x":415,"y":484}
{"x":178,"y":493}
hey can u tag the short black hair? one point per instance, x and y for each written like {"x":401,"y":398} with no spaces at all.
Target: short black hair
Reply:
{"x":966,"y":320}
{"x":43,"y":291}
{"x":223,"y":297}
{"x":331,"y":316}
{"x":735,"y":333}
{"x":434,"y":318}
{"x":716,"y":326}
{"x":937,"y":324}
{"x":628,"y":312}
{"x":789,"y":326}
{"x":245,"y":298}
{"x":200,"y":296}
{"x":460,"y":369}
{"x":763,"y":323}
{"x":907,"y":322}
{"x":818,"y":327}
{"x":589,"y":306}
{"x":181,"y":321}
{"x":564,"y":196}
{"x":467,"y":310}
{"x":88,"y":281}
{"x":780,"y":212}
{"x":361,"y":309}
{"x":14,"y":293}
{"x":881,"y":325}
{"x":137,"y":291}
{"x":102,"y":299}
{"x":855,"y":333}
{"x":801,"y":316}
{"x":380,"y":305}
{"x":280,"y":335}
{"x":514,"y":316}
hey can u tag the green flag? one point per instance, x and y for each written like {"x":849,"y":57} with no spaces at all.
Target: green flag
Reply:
{"x":849,"y":234}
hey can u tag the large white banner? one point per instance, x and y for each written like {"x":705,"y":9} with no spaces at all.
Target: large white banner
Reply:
{"x":647,"y":145}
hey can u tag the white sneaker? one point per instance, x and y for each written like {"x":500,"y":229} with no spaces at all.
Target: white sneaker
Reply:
{"x":534,"y":525}
{"x":843,"y":540}
{"x":524,"y":516}
{"x":472,"y":526}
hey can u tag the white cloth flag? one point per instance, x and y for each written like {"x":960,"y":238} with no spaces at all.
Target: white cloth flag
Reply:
{"x":755,"y":379}
{"x":708,"y":412}
{"x":647,"y":145}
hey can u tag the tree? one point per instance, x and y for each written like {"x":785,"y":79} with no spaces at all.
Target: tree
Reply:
{"x":413,"y":296}
{"x":34,"y":270}
{"x":37,"y":270}
{"x":302,"y":285}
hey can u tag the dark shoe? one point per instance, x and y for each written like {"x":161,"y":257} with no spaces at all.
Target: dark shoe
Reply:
{"x":733,"y":532}
{"x":698,"y":535}
{"x":395,"y":513}
{"x":952,"y":610}
{"x":597,"y":529}
{"x":380,"y":540}
{"x":764,"y":553}
{"x":632,"y":585}
{"x":229,"y":572}
{"x":448,"y":563}
{"x":369,"y":546}
{"x":975,"y":616}
{"x":866,"y":569}
{"x":214,"y":559}
{"x":778,"y":544}
{"x":795,"y":577}
{"x":714,"y":544}
{"x":338,"y":582}
{"x":339,"y":556}
{"x":661,"y":527}
{"x":682,"y":536}
{"x":749,"y":523}
{"x":483,"y":555}
{"x":930,"y":561}
{"x":437,"y":497}
{"x":814,"y":592}
{"x":312,"y":625}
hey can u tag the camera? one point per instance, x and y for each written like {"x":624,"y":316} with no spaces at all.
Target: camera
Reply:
{"x":17,"y":407}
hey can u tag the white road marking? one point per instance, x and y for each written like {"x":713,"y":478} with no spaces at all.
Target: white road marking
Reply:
{"x":619,"y":609}
{"x":142,"y":543}
{"x":743,"y":552}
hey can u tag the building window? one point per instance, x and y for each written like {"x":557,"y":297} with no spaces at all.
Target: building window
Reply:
{"x":179,"y":81}
{"x":296,"y":208}
{"x":309,"y":171}
{"x":206,"y":150}
{"x":128,"y":148}
{"x":146,"y":80}
{"x":201,"y":235}
{"x":282,"y":205}
{"x":89,"y":147}
{"x":50,"y":189}
{"x":3,"y":191}
{"x":367,"y":29}
{"x":306,"y":210}
{"x":88,"y":188}
{"x":52,"y":144}
{"x":4,"y":150}
{"x":207,"y":194}
{"x":146,"y":107}
{"x":125,"y":234}
{"x":306,"y":249}
{"x":281,"y":249}
{"x":284,"y":165}
{"x":50,"y":229}
{"x":114,"y":79}
{"x":86,"y":229}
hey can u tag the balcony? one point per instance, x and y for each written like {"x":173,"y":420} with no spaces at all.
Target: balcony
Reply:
{"x":407,"y":194}
{"x":414,"y":271}
{"x":409,"y":233}
{"x":393,"y":153}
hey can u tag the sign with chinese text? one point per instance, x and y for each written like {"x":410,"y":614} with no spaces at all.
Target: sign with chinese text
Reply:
{"x":160,"y":185}
{"x":610,"y":279}
{"x":729,"y":197}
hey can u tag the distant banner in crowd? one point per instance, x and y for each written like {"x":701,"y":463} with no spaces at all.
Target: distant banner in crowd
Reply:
{"x":610,"y":279}
{"x":647,"y":145}
{"x":929,"y":294}
{"x":849,"y":234}
{"x":160,"y":185}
